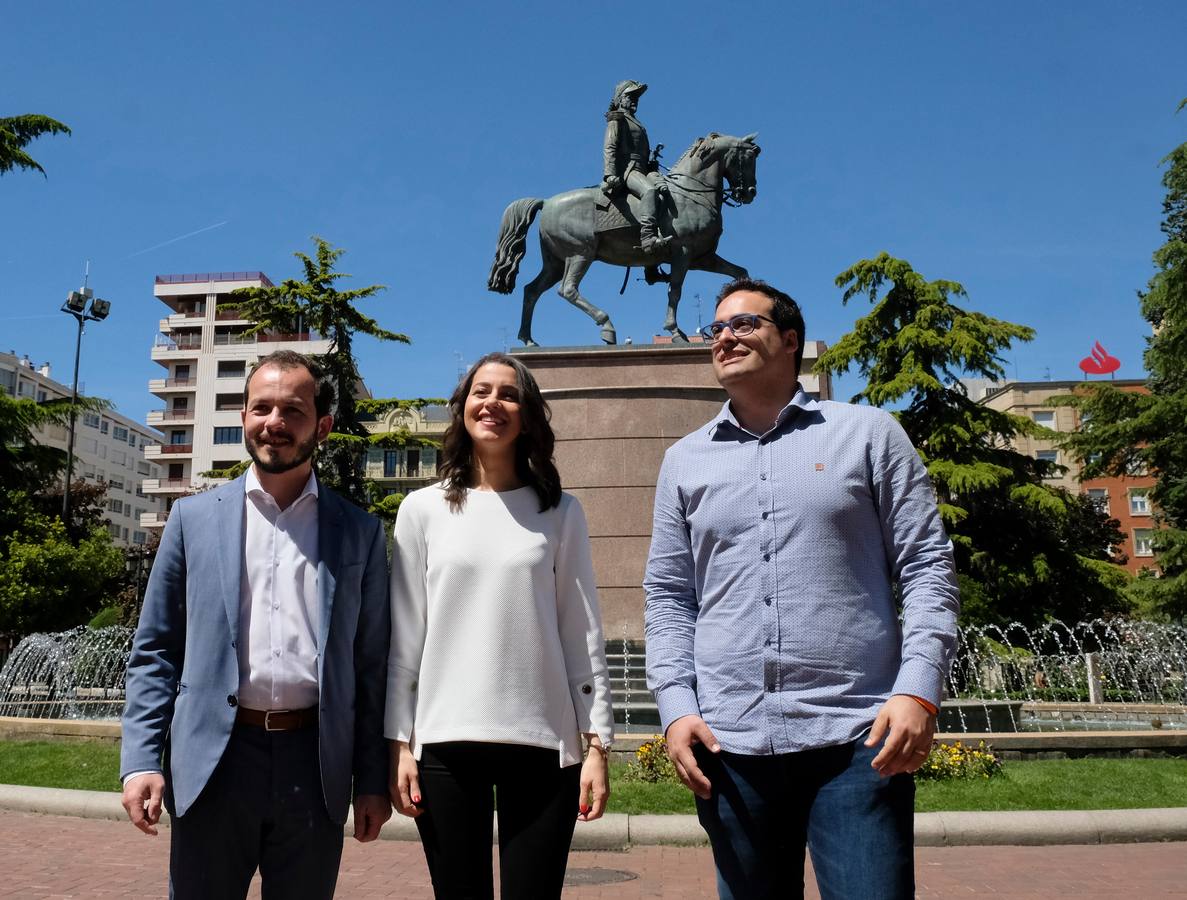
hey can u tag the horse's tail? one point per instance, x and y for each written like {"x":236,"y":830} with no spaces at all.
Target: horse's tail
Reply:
{"x":513,"y":241}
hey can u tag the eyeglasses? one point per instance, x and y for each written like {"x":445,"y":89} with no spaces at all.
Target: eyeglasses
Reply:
{"x":741,"y":325}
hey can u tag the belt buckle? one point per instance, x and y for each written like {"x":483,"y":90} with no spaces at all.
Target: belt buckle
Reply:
{"x":268,"y":718}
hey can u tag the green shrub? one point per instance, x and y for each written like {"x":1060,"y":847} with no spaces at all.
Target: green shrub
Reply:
{"x":949,"y":761}
{"x":651,"y":763}
{"x":108,"y":615}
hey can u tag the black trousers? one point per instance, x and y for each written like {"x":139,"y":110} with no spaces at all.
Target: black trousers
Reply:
{"x":537,"y":809}
{"x":262,"y":808}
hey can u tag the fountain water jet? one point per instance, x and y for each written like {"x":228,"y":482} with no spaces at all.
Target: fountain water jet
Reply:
{"x":75,"y":674}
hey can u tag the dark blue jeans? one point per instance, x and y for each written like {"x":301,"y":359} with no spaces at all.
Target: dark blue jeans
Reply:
{"x":765,"y":809}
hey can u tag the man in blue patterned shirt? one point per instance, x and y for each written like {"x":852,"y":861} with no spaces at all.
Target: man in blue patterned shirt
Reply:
{"x":795,"y":701}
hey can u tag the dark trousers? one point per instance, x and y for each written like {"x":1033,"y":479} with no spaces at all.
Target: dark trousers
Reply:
{"x":262,"y":808}
{"x":764,"y":809}
{"x":537,"y":808}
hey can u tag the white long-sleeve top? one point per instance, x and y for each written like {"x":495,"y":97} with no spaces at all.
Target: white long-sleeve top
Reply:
{"x":496,"y":630}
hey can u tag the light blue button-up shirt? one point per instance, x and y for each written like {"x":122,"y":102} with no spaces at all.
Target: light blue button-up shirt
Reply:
{"x":771,"y":610}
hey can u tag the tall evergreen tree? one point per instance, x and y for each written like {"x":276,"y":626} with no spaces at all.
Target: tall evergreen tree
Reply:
{"x":1127,"y":431}
{"x":15,"y":134}
{"x":1024,"y":549}
{"x":316,"y":304}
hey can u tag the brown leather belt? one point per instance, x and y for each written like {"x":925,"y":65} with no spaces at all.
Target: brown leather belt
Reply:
{"x":278,"y":719}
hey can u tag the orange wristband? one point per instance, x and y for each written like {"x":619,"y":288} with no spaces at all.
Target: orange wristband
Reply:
{"x":931,"y":709}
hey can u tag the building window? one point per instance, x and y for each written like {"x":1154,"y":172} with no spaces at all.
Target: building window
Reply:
{"x":113,"y":530}
{"x":138,"y":537}
{"x":178,"y":437}
{"x":1139,"y":501}
{"x":91,"y":420}
{"x":228,"y":401}
{"x":1045,"y":417}
{"x":1141,"y":542}
{"x":119,"y":433}
{"x":1099,"y":497}
{"x":116,"y":506}
{"x":1135,"y":468}
{"x":391,"y":463}
{"x":412,"y":464}
{"x":119,"y":457}
{"x":228,"y":435}
{"x":103,"y":426}
{"x":232,"y":368}
{"x":41,"y":396}
{"x":116,"y":484}
{"x":1049,"y":456}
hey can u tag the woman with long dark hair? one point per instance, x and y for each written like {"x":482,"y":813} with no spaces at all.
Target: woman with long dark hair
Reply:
{"x":498,"y":666}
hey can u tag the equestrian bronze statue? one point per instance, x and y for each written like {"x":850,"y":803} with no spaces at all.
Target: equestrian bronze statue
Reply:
{"x":580,"y":227}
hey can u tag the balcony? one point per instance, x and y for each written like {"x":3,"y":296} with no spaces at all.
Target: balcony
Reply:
{"x":156,"y":451}
{"x":221,"y":340}
{"x":228,"y":314}
{"x":153,"y":519}
{"x":181,"y":320}
{"x":158,"y":416}
{"x":160,"y":385}
{"x":185,"y":345}
{"x":287,"y":338}
{"x":165,"y":485}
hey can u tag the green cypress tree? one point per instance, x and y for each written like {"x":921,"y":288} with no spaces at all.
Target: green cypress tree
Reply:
{"x":1025,"y":549}
{"x":1127,"y":431}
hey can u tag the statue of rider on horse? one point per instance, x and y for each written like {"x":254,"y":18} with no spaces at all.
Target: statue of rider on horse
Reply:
{"x":635,"y":217}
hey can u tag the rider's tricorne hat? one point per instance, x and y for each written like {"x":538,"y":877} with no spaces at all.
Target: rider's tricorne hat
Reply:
{"x":628,"y":87}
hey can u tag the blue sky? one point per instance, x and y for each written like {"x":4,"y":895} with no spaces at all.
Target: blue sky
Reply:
{"x":1013,"y":147}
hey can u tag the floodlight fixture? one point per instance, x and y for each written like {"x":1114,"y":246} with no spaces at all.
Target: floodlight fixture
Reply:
{"x":99,"y":310}
{"x":76,"y":302}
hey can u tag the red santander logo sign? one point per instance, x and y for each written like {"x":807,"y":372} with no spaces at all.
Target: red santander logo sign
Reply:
{"x":1100,"y":362}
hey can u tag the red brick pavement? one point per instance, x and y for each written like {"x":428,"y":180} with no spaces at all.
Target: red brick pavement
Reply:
{"x":60,"y":857}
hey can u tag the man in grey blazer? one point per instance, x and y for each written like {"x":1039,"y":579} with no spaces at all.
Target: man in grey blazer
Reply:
{"x":257,"y":679}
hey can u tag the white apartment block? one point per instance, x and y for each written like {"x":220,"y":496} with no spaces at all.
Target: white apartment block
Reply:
{"x":206,"y":357}
{"x":107,"y":447}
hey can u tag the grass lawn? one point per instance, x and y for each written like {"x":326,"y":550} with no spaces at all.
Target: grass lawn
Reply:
{"x":1049,"y":784}
{"x":84,"y":765}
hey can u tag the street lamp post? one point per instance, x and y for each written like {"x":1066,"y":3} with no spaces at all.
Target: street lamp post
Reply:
{"x":76,"y":305}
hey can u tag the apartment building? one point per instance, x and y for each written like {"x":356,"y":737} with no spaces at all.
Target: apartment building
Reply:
{"x":404,"y":469}
{"x":206,"y":355}
{"x":108,"y":447}
{"x":1126,"y":499}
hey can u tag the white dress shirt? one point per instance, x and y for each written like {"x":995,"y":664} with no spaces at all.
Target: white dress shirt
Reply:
{"x":279,"y":612}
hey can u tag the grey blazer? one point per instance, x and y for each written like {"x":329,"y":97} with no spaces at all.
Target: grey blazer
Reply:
{"x":183,"y":672}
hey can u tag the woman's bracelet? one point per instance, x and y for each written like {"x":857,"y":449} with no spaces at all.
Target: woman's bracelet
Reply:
{"x":603,"y":750}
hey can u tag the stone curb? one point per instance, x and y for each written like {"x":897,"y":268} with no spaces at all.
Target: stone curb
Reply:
{"x":617,"y":830}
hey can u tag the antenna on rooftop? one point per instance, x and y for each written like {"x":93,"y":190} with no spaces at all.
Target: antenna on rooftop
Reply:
{"x":461,"y":365}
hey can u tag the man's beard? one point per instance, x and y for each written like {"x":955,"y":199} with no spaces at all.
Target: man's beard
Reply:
{"x":303,"y":452}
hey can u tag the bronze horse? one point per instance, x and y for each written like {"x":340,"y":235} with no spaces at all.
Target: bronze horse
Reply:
{"x":569,"y":243}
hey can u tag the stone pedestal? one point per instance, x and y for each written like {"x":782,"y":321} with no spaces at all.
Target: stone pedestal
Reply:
{"x":615,"y":410}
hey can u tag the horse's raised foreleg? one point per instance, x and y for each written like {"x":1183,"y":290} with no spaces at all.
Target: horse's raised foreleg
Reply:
{"x":714,"y":263}
{"x":680,"y":262}
{"x":575,"y":269}
{"x":549,"y":275}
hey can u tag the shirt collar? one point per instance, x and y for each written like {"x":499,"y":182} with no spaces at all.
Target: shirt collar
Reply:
{"x":800,"y":401}
{"x":252,"y":487}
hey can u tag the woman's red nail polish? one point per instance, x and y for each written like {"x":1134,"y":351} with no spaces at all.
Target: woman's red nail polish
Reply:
{"x":584,"y":808}
{"x":416,"y":798}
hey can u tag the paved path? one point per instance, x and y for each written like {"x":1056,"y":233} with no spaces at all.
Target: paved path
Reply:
{"x":60,"y":857}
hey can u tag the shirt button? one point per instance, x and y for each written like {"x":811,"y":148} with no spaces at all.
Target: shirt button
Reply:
{"x":763,"y":476}
{"x":766,"y":557}
{"x":276,"y":606}
{"x":766,"y":600}
{"x":770,"y":688}
{"x":276,"y":653}
{"x":586,"y":689}
{"x":765,"y":514}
